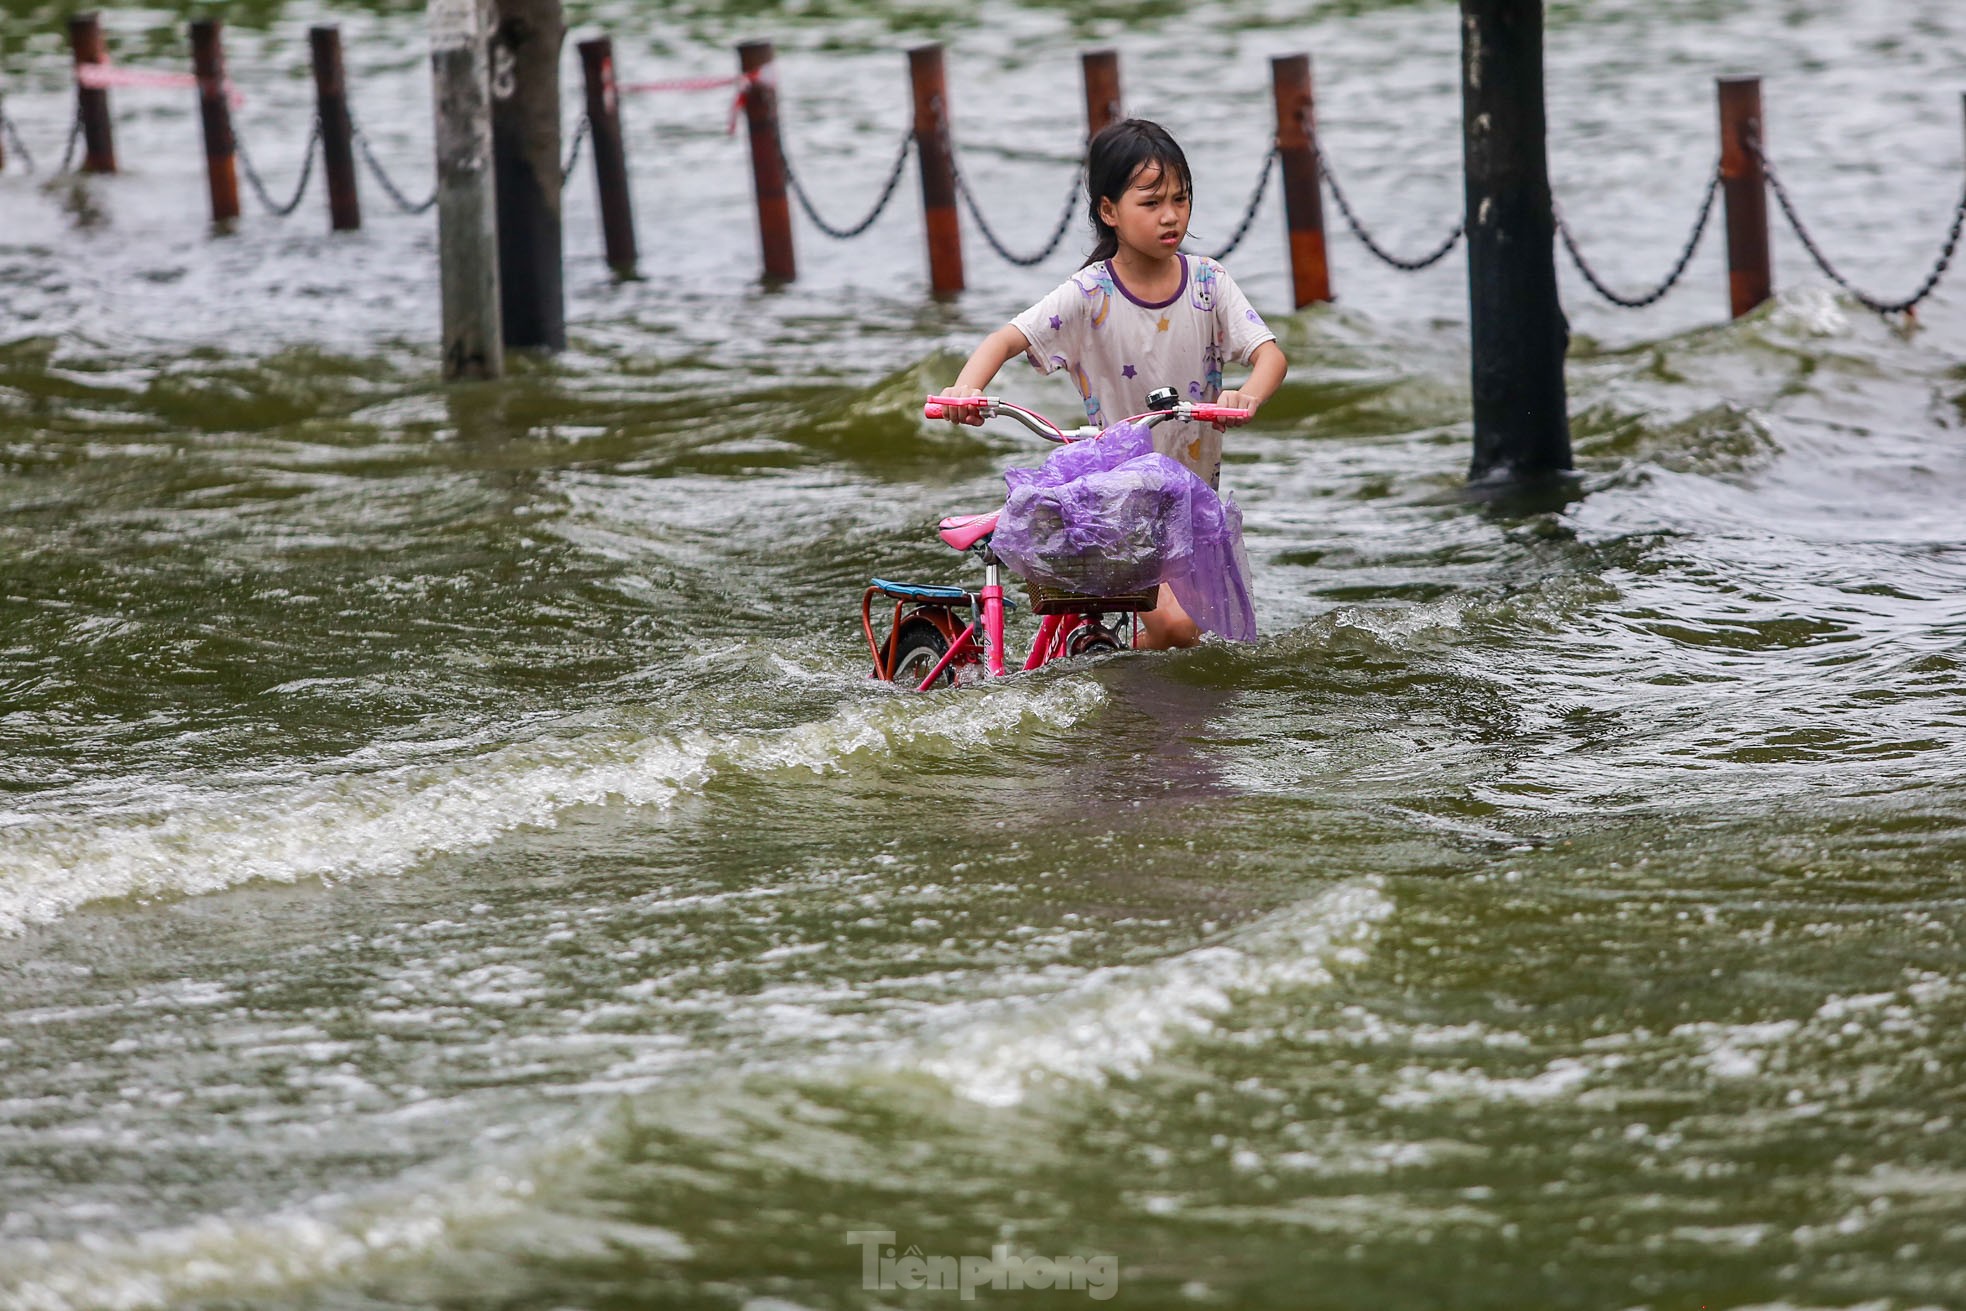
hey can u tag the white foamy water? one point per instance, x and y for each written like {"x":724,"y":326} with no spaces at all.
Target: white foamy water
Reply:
{"x":1111,"y":1023}
{"x":274,"y":1255}
{"x":1115,"y":1020}
{"x":181,"y":841}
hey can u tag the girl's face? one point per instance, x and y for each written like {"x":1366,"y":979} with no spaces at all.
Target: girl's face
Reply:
{"x":1151,"y":215}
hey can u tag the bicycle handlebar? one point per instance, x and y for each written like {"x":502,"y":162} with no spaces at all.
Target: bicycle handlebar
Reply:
{"x":938,"y":407}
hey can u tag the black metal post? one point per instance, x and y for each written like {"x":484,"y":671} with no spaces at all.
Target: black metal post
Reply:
{"x":1519,"y":333}
{"x":525,"y":91}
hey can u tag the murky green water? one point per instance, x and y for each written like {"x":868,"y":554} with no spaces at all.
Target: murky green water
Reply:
{"x":451,"y":854}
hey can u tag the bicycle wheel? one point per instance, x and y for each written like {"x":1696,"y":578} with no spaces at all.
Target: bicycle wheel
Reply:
{"x":918,"y":647}
{"x":1092,"y":639}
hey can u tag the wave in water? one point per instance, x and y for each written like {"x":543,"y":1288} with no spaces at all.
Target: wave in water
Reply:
{"x":1109,"y":1023}
{"x":1112,"y":1022}
{"x":185,"y":841}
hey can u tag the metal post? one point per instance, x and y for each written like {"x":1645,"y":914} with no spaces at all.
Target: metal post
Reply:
{"x":92,"y":105}
{"x":1303,"y":193}
{"x":337,"y":129}
{"x":1519,"y":334}
{"x":1102,"y":90}
{"x":610,"y":158}
{"x":467,"y":232}
{"x":221,"y":167}
{"x":1744,"y":191}
{"x":755,"y":62}
{"x":525,"y":86}
{"x":938,"y":166}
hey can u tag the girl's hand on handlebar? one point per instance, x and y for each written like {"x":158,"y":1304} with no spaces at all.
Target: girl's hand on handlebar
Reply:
{"x":1237,"y":400}
{"x":967,"y":414}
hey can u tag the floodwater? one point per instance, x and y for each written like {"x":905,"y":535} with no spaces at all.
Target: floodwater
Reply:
{"x":451,"y":854}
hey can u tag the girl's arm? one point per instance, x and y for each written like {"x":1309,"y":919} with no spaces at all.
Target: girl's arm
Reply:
{"x":996,"y":350}
{"x":1266,"y":369}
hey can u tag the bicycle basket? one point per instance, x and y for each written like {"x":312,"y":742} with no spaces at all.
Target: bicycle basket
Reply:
{"x":1046,"y":600}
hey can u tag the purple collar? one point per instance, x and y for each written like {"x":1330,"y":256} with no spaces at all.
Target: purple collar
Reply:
{"x":1114,"y":274}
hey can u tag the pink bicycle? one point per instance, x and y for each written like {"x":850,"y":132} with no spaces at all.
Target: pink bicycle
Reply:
{"x":942,"y":633}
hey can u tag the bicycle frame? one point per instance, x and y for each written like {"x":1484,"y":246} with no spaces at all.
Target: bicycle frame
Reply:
{"x":1051,"y":642}
{"x":981,"y":640}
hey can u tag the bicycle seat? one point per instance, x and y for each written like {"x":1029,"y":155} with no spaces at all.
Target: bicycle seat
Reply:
{"x":963,"y":531}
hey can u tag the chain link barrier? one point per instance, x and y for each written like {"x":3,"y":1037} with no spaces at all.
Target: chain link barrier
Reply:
{"x":1058,"y":230}
{"x":1869,"y":302}
{"x":1063,"y":225}
{"x":880,"y":202}
{"x":1365,"y":238}
{"x":573,"y":152}
{"x":387,"y":183}
{"x":983,"y":225}
{"x":74,"y":140}
{"x":1255,"y":203}
{"x":274,"y":207}
{"x":13,"y":135}
{"x":1679,"y":265}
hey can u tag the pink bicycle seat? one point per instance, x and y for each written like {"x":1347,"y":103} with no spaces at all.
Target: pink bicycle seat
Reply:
{"x":962,"y":531}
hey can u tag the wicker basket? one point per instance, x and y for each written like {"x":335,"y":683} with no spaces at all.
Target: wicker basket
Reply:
{"x":1056,"y":601}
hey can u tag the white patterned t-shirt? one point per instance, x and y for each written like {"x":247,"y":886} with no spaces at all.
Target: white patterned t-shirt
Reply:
{"x":1116,"y":348}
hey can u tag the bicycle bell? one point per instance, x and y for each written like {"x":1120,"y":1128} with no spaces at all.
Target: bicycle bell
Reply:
{"x":1162,"y":399}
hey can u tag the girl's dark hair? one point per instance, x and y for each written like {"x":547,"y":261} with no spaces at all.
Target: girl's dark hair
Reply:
{"x":1120,"y":151}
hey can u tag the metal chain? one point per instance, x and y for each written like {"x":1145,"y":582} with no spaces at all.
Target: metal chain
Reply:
{"x":1058,"y":231}
{"x":273,"y":207}
{"x":1869,"y":302}
{"x":1255,"y":202}
{"x":1365,"y":238}
{"x":1679,"y":265}
{"x":880,"y":204}
{"x":573,"y":155}
{"x":982,"y":225}
{"x":387,"y":183}
{"x":74,"y":138}
{"x":13,"y":135}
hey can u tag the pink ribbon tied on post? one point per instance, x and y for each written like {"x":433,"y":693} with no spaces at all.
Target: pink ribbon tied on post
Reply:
{"x":106,"y":77}
{"x":742,"y":81}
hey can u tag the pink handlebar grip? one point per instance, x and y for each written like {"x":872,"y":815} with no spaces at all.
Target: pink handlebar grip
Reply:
{"x":938,"y":407}
{"x":1210,"y":412}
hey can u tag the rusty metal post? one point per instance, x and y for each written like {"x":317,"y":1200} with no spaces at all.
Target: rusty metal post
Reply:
{"x":755,"y":62}
{"x":937,"y":157}
{"x":1744,"y":190}
{"x":610,"y":157}
{"x":1303,"y":192}
{"x":221,"y":164}
{"x":92,"y":105}
{"x":1102,"y":90}
{"x":337,"y":130}
{"x":1516,"y":326}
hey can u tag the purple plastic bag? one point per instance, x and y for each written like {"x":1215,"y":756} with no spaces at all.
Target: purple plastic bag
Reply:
{"x":1109,"y":516}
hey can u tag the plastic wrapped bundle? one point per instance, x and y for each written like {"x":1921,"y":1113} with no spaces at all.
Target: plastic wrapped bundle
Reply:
{"x":1109,"y":516}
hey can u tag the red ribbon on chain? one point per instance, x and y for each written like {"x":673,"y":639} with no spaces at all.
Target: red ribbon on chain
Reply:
{"x":742,"y":81}
{"x":104,"y":77}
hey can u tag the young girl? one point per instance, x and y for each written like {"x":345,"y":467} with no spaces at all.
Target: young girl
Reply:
{"x":1140,"y":315}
